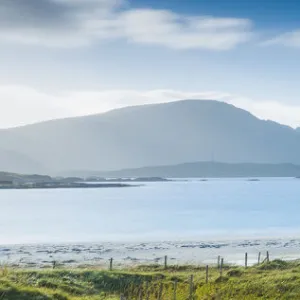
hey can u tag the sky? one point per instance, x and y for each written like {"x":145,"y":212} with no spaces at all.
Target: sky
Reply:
{"x":64,"y":58}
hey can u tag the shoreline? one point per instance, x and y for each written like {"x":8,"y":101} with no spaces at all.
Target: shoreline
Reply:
{"x":133,"y":254}
{"x":68,"y":186}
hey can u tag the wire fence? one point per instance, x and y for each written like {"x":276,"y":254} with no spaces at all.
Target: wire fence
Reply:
{"x":179,"y":289}
{"x":144,"y":282}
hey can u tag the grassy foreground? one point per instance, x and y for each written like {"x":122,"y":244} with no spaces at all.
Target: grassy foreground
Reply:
{"x":275,"y":280}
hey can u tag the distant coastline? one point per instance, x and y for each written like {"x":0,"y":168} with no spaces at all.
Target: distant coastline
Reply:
{"x":64,"y":186}
{"x":133,"y":177}
{"x":20,"y":181}
{"x":201,"y":169}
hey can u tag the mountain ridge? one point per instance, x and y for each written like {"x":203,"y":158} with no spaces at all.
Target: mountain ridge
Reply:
{"x":12,"y":161}
{"x":202,"y":169}
{"x":141,"y":106}
{"x":151,"y":135}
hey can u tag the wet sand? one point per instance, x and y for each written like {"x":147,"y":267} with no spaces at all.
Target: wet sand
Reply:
{"x":132,"y":254}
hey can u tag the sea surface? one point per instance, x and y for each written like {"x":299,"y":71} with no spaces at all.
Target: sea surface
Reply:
{"x":183,"y":219}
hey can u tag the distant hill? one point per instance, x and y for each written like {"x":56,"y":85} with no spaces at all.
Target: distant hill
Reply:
{"x":17,"y":162}
{"x":150,"y":135}
{"x":22,"y":178}
{"x":203,"y":170}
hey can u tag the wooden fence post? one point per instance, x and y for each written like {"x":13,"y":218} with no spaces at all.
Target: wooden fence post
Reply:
{"x":141,"y":294}
{"x":258,"y":261}
{"x":221,"y":267}
{"x":161,"y":287}
{"x":166,"y":262}
{"x":206,"y":275}
{"x":268,"y":257}
{"x":111,"y":264}
{"x":147,"y":293}
{"x":219,"y":260}
{"x":191,"y":287}
{"x":246,"y":260}
{"x":175,"y":290}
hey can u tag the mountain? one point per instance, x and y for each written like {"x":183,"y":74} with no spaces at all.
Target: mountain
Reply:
{"x":202,"y":170}
{"x":23,"y":178}
{"x":17,"y":162}
{"x":150,"y":135}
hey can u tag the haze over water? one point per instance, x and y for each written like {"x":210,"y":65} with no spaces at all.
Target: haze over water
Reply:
{"x":191,"y":210}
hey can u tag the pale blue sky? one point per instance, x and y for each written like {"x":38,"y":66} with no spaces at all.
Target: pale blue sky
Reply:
{"x":63,"y":58}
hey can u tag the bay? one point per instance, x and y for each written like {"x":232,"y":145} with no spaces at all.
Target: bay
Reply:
{"x":179,"y":210}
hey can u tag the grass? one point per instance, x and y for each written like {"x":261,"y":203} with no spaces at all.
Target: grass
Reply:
{"x":274,"y":280}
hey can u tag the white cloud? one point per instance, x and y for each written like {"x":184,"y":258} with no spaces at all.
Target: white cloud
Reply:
{"x":271,"y":110}
{"x":66,"y":23}
{"x":289,"y":39}
{"x":166,"y":28}
{"x":23,"y":105}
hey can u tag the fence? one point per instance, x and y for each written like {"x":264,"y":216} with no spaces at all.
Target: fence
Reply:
{"x":157,"y":289}
{"x":162,"y":282}
{"x":220,"y":262}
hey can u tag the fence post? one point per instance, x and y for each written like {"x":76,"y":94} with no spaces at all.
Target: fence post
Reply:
{"x":111,"y":264}
{"x":141,"y":294}
{"x":246,"y":260}
{"x":258,"y":261}
{"x":122,"y":297}
{"x":221,"y":267}
{"x":206,"y":276}
{"x":268,"y":257}
{"x":219,"y":260}
{"x":161,"y":287}
{"x":191,"y":287}
{"x":175,"y":290}
{"x":166,"y":262}
{"x":147,"y":294}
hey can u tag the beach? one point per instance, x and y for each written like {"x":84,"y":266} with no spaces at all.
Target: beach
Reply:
{"x":133,"y":254}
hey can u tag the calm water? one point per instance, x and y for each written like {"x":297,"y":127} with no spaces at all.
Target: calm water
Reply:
{"x":157,"y":211}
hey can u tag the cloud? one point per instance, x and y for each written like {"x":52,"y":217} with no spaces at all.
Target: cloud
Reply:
{"x":23,"y":105}
{"x":166,"y":28}
{"x":271,"y":110}
{"x":289,"y":39}
{"x":70,"y":23}
{"x":53,"y":23}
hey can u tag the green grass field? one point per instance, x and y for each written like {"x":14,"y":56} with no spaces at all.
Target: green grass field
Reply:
{"x":275,"y":280}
